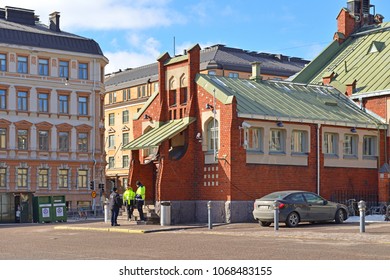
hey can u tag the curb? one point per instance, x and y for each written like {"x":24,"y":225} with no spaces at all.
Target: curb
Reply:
{"x":102,"y":229}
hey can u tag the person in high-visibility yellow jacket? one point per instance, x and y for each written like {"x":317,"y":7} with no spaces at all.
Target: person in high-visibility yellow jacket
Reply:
{"x":140,"y":199}
{"x":129,"y":201}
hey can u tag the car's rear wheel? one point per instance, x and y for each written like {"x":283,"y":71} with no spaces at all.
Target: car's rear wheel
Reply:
{"x":264,"y":224}
{"x":340,"y":216}
{"x":292,"y":219}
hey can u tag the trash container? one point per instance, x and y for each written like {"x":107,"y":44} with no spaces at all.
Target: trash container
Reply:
{"x":42,"y":209}
{"x":59,"y":208}
{"x":165,"y":219}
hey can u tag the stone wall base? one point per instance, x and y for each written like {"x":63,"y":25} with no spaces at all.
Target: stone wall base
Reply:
{"x":184,"y":212}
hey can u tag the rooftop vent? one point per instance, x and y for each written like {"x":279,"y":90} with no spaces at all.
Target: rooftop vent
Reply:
{"x":19,"y":15}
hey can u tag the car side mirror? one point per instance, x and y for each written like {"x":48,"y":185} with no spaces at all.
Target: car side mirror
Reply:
{"x":325,"y":202}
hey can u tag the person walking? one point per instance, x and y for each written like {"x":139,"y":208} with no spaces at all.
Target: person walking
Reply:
{"x":140,"y":199}
{"x":115,"y":205}
{"x":128,"y":201}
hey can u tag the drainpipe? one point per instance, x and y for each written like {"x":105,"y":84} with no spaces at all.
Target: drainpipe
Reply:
{"x":318,"y":158}
{"x":93,"y":109}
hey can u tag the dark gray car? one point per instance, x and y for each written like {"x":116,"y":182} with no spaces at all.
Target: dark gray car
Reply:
{"x":296,"y":207}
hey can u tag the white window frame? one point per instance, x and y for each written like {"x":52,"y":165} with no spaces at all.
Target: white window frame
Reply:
{"x":111,"y":141}
{"x":253,"y":139}
{"x":299,"y":142}
{"x":212,"y":132}
{"x":370,"y":146}
{"x":330,"y":146}
{"x":350,"y":145}
{"x":277,"y":141}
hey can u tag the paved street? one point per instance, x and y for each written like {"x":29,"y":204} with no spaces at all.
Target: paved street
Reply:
{"x":95,"y":240}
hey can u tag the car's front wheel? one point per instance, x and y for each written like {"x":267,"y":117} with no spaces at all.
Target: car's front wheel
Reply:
{"x":340,"y":216}
{"x":264,"y":224}
{"x":292,"y":219}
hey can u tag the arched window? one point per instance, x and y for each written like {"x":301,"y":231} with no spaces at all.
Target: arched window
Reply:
{"x":213,"y":135}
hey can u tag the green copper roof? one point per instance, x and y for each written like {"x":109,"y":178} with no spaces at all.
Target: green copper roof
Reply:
{"x":280,"y":100}
{"x":157,"y":135}
{"x":364,"y":56}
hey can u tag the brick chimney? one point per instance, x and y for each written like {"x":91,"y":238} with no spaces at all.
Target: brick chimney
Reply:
{"x":346,"y":25}
{"x":356,"y":15}
{"x":351,"y":87}
{"x":256,"y":71}
{"x":55,"y":21}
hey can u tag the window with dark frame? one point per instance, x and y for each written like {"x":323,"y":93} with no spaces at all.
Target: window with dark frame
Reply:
{"x":83,"y":142}
{"x":3,"y":138}
{"x":3,"y":62}
{"x":22,"y":139}
{"x":43,"y":140}
{"x":63,"y":178}
{"x":22,"y":178}
{"x":63,"y":103}
{"x":83,"y":71}
{"x":43,"y":102}
{"x":63,"y":69}
{"x":3,"y":99}
{"x":22,"y":101}
{"x":22,"y":64}
{"x":43,"y":178}
{"x":83,"y":105}
{"x":63,"y":139}
{"x":43,"y":67}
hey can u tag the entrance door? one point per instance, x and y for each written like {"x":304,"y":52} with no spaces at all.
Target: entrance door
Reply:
{"x":22,"y":207}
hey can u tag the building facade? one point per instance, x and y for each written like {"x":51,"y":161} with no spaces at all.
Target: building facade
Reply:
{"x":357,"y":63}
{"x":129,"y":90}
{"x":204,"y":138}
{"x":51,"y":114}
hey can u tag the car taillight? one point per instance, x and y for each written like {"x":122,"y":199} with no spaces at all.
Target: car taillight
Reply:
{"x":282,"y":205}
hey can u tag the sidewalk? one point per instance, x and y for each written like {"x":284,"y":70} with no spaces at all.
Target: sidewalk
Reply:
{"x":98,"y":224}
{"x":376,"y":230}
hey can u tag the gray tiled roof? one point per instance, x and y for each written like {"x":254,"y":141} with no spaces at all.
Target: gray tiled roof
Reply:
{"x":217,"y":57}
{"x":39,"y":35}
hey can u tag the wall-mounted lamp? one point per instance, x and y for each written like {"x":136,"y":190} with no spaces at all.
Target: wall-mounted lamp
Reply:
{"x":199,"y":137}
{"x":279,"y":124}
{"x":208,"y":106}
{"x":147,"y":117}
{"x":67,"y":81}
{"x":353,"y":129}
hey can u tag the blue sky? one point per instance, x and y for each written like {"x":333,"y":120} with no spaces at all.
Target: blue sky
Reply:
{"x":132,"y":33}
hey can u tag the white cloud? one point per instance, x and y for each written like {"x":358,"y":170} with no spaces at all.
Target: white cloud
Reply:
{"x":145,"y":52}
{"x":103,"y":14}
{"x":123,"y":59}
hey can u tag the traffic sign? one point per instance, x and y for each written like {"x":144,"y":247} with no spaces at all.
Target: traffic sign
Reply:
{"x":93,"y":194}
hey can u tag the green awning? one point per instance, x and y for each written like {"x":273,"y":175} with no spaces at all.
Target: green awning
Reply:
{"x":159,"y":134}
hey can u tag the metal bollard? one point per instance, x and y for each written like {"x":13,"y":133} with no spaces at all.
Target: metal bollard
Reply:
{"x":362,"y":210}
{"x":105,"y":212}
{"x":209,"y":214}
{"x":276,"y":214}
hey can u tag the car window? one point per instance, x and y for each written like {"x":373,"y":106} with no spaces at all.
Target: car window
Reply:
{"x":312,"y":198}
{"x":296,"y":198}
{"x":274,"y":196}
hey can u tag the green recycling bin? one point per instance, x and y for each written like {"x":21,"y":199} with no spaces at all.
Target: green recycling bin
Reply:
{"x":42,"y":209}
{"x":59,"y":208}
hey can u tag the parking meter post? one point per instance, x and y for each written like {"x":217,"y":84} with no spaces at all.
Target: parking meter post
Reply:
{"x":362,"y":211}
{"x":276,"y":215}
{"x":209,"y":215}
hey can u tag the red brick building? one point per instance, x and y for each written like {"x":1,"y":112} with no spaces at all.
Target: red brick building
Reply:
{"x":206,"y":138}
{"x":357,"y":64}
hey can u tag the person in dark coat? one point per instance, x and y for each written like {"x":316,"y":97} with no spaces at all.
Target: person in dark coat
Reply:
{"x":115,"y":205}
